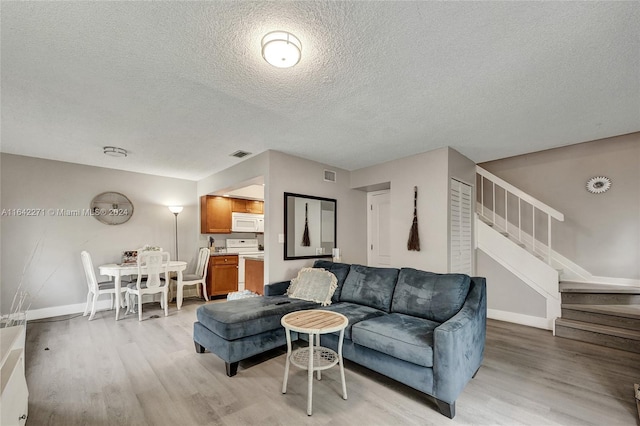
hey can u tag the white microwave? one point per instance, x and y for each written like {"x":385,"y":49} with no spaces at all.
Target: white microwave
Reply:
{"x":247,"y":222}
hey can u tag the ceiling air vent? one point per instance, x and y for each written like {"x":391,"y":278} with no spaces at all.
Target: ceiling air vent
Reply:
{"x":239,"y":154}
{"x":329,"y":176}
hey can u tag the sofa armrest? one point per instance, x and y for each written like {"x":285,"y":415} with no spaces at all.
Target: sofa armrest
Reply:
{"x":276,"y":289}
{"x":459,"y":343}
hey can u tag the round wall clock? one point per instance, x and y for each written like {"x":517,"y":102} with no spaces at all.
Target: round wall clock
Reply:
{"x":111,"y":208}
{"x":598,"y":184}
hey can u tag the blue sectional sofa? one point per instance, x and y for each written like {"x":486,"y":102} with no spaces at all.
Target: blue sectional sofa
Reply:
{"x":422,"y":329}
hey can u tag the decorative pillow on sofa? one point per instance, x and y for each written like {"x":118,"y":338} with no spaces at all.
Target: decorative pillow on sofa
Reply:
{"x":313,"y":284}
{"x":340,"y":270}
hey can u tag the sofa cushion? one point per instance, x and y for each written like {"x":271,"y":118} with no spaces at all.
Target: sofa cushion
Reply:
{"x":340,"y":270}
{"x":355,"y":313}
{"x":436,"y":297}
{"x":401,"y":336}
{"x":240,"y":318}
{"x":370,"y":286}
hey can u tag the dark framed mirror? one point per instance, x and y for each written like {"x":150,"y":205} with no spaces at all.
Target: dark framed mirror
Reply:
{"x":309,"y":226}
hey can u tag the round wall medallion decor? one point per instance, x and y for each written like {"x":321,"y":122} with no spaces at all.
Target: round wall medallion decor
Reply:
{"x":598,"y":184}
{"x":111,"y":208}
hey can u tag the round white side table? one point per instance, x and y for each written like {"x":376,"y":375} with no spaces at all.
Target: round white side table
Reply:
{"x":314,"y":322}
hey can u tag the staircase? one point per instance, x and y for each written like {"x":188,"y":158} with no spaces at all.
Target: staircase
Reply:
{"x":602,"y":314}
{"x":599,"y":313}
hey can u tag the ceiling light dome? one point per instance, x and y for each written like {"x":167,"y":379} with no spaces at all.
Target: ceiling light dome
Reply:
{"x":281,"y":49}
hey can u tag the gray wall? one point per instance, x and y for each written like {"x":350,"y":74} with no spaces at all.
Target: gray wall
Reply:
{"x":285,"y":173}
{"x":430,"y":172}
{"x":48,"y":247}
{"x":601,"y":233}
{"x":506,"y":292}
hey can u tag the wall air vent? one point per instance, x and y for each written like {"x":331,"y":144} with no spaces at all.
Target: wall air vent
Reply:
{"x":330,"y":176}
{"x":239,"y":154}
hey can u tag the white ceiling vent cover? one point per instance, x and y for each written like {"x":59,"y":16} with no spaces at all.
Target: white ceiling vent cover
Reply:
{"x":239,"y":154}
{"x":330,"y":176}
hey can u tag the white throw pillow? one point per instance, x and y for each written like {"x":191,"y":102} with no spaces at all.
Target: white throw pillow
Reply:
{"x":314,"y":285}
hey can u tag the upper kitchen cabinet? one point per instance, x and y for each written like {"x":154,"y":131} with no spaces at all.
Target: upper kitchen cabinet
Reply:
{"x":239,"y":205}
{"x":215,"y":215}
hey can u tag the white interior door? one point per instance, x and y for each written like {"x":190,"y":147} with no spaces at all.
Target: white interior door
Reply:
{"x":379,"y":232}
{"x":460,"y":241}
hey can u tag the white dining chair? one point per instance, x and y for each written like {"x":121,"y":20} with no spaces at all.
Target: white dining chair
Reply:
{"x":154,"y":264}
{"x":197,"y":278}
{"x":97,"y":288}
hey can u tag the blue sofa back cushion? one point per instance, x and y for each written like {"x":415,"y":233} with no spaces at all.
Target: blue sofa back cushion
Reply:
{"x":340,"y":270}
{"x":370,"y":286}
{"x":429,"y":295}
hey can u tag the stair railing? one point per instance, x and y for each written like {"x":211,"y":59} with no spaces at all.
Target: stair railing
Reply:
{"x":521,"y":196}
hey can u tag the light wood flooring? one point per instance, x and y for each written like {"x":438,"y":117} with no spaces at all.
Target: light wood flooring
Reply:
{"x":148,"y":373}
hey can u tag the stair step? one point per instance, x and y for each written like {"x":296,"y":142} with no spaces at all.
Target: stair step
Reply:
{"x":613,"y":337}
{"x":582,"y":287}
{"x":623,"y":316}
{"x":598,"y":294}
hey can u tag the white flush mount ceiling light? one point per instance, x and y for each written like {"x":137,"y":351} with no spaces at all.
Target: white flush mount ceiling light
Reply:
{"x":114,"y":151}
{"x":281,"y":49}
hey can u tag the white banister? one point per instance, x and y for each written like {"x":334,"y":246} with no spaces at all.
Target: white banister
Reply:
{"x":535,"y":204}
{"x":549,"y":239}
{"x":521,"y":194}
{"x":494,"y":201}
{"x":533,"y":230}
{"x":519,"y":219}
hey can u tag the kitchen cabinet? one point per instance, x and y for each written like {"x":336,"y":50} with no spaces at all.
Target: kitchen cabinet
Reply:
{"x":215,"y":215}
{"x":239,"y":205}
{"x":254,"y":275}
{"x":222,"y":275}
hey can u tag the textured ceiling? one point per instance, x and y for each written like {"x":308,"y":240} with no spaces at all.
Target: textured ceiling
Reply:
{"x":181,"y":85}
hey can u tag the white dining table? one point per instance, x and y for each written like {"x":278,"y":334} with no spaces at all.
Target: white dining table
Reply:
{"x":118,"y":270}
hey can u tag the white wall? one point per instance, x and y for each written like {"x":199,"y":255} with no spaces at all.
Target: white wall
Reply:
{"x":48,"y":247}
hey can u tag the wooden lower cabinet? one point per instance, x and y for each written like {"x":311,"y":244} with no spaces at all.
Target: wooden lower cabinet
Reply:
{"x":222,"y":275}
{"x":254,"y":275}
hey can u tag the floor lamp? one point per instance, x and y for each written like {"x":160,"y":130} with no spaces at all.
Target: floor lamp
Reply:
{"x":175,"y":210}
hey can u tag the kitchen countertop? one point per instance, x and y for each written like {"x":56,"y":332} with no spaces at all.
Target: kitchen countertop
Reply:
{"x":256,"y":258}
{"x":223,"y":254}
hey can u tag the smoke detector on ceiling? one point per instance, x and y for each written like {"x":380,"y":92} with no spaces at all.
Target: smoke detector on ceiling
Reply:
{"x":114,"y":151}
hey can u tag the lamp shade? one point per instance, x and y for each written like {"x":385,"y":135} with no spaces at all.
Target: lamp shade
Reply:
{"x":281,"y":49}
{"x":175,"y":209}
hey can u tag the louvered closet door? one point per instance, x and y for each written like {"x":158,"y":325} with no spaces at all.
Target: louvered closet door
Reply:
{"x":460,"y":256}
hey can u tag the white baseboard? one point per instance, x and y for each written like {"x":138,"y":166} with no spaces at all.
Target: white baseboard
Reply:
{"x":56,"y":311}
{"x":102,"y":305}
{"x":521,"y":319}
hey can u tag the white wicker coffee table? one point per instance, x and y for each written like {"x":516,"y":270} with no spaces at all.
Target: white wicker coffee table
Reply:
{"x":314,"y":323}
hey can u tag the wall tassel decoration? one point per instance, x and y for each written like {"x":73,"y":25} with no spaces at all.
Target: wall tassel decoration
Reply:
{"x":414,"y":238}
{"x":306,"y":242}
